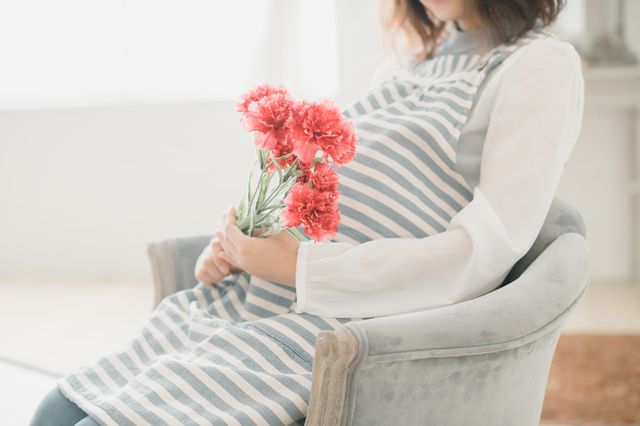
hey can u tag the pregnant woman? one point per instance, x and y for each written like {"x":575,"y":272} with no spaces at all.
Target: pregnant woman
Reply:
{"x":462,"y":143}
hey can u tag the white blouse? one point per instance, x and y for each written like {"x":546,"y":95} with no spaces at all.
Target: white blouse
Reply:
{"x":531,"y":109}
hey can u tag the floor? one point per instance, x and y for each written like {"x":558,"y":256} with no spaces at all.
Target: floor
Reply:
{"x":594,"y":377}
{"x":49,"y":327}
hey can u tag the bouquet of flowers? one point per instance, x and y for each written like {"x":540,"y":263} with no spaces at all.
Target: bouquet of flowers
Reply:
{"x":296,"y":184}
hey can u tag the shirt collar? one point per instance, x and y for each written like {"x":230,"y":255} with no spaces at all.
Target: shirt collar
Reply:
{"x":466,"y":42}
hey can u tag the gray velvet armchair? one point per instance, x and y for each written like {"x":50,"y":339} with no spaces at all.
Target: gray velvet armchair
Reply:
{"x":482,"y":362}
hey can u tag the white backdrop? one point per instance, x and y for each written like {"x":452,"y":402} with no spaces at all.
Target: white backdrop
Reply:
{"x":114,"y":52}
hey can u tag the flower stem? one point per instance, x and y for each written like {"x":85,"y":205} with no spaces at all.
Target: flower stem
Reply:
{"x":297,"y":234}
{"x":259,"y":208}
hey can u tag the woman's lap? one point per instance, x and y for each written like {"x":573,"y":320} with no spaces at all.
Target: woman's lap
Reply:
{"x":56,"y":409}
{"x":276,"y":347}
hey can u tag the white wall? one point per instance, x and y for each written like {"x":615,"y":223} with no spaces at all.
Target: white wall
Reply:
{"x":595,"y":181}
{"x":358,"y":31}
{"x":632,"y":27}
{"x":597,"y":176}
{"x":83,"y":190}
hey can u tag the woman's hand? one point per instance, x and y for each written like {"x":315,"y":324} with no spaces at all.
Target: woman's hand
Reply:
{"x":271,"y":258}
{"x":210,"y":266}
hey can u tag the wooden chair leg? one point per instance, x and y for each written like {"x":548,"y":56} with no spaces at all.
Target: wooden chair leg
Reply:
{"x":335,"y":355}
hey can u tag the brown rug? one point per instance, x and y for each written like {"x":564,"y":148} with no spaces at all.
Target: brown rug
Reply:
{"x":594,"y":380}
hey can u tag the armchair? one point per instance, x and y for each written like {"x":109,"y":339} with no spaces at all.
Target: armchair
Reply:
{"x":484,"y":361}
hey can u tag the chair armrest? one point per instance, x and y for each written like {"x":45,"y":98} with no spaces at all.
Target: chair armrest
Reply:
{"x":173,"y":262}
{"x":548,"y":288}
{"x":561,"y":219}
{"x":530,"y":308}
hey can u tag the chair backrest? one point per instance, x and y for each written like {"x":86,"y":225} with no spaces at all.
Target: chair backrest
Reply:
{"x":562,"y":218}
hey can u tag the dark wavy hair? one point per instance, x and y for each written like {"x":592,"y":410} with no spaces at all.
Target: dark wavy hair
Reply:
{"x":507,"y":20}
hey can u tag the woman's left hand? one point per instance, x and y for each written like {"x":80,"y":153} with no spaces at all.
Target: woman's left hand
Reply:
{"x":271,"y":258}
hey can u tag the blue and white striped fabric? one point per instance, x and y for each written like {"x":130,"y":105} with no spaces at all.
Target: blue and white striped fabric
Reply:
{"x":238,"y":354}
{"x":403,"y":181}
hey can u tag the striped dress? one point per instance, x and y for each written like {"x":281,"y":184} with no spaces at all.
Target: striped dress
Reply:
{"x":239,"y":354}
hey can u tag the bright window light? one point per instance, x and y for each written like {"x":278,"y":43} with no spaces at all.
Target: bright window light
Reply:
{"x":94,"y":52}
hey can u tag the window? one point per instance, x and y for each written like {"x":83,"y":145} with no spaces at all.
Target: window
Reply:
{"x":80,"y":53}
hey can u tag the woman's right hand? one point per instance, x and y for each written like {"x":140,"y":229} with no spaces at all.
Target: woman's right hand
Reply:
{"x":210,"y":266}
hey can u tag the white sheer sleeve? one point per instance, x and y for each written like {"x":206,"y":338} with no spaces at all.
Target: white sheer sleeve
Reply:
{"x":533,"y":126}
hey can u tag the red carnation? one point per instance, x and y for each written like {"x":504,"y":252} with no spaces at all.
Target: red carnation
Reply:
{"x":296,"y":130}
{"x":317,"y":211}
{"x":257,"y":94}
{"x":305,"y":168}
{"x":344,"y":151}
{"x":268,"y":116}
{"x":321,"y":125}
{"x":323,"y":177}
{"x":282,"y":148}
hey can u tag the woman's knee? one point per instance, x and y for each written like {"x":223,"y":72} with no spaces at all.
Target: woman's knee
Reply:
{"x":56,"y":409}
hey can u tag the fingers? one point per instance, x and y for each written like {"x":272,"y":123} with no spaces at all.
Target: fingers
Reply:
{"x":222,"y":257}
{"x":230,"y":253}
{"x":203,"y":272}
{"x":231,"y":230}
{"x":232,"y":240}
{"x":210,"y":267}
{"x":222,"y":265}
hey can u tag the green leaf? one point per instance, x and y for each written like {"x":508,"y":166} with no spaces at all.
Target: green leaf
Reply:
{"x":297,"y":234}
{"x":265,"y":178}
{"x":262,"y":157}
